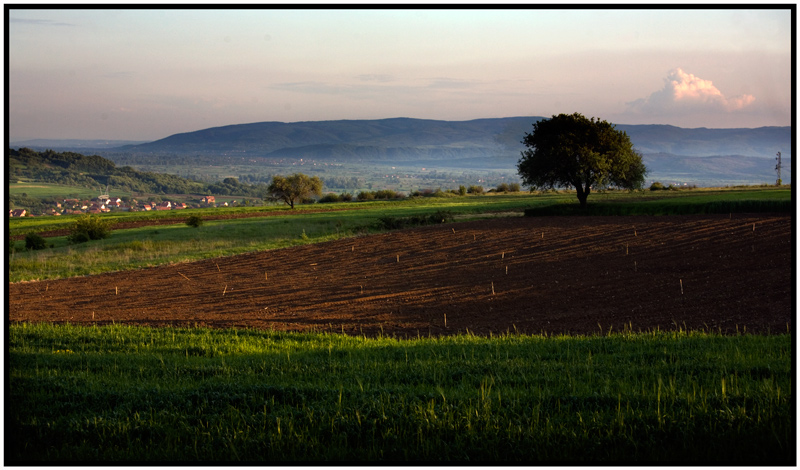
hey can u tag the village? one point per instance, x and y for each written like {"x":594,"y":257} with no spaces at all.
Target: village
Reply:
{"x":104,"y":203}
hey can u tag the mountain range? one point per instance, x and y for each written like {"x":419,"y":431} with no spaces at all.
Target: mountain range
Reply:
{"x":738,"y":155}
{"x":406,"y":138}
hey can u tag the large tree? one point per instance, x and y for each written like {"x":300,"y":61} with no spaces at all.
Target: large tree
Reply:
{"x":298,"y":186}
{"x":571,"y":150}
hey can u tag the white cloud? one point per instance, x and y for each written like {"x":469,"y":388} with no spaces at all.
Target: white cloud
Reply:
{"x":684,"y":92}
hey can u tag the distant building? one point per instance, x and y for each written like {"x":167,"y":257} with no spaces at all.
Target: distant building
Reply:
{"x":17,"y":213}
{"x":208,"y":200}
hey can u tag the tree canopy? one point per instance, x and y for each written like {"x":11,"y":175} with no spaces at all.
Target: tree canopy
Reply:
{"x":293,"y":188}
{"x":571,"y":150}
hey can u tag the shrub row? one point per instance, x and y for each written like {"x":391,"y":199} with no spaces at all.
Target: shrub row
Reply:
{"x":388,"y":194}
{"x":396,"y":223}
{"x":333,"y":197}
{"x":658,"y":186}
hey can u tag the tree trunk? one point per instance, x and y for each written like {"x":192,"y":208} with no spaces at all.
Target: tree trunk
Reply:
{"x":583,"y":194}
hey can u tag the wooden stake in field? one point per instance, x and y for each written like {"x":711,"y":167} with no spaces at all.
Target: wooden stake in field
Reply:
{"x":225,"y":290}
{"x":398,"y":258}
{"x":445,"y":320}
{"x":681,"y":281}
{"x":492,"y":288}
{"x":184,"y":276}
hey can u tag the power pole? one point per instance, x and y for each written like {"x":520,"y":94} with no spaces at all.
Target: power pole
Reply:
{"x":778,"y":169}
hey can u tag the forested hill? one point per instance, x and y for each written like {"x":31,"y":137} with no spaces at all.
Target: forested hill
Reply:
{"x":74,"y":169}
{"x":399,"y":139}
{"x":406,"y":139}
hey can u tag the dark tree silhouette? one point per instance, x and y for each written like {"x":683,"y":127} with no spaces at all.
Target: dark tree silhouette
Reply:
{"x":571,"y":150}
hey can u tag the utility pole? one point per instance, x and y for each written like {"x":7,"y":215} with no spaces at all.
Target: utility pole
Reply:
{"x":778,"y":169}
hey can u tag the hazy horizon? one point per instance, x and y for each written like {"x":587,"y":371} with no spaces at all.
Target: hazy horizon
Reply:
{"x":146,"y":74}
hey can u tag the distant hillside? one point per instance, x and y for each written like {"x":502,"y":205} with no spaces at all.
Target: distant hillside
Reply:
{"x":715,"y":170}
{"x":741,"y":156}
{"x":701,"y":142}
{"x":72,"y":144}
{"x":399,"y":139}
{"x":94,"y":171}
{"x":405,"y":139}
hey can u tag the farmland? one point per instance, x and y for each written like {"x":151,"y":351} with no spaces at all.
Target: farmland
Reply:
{"x":624,"y":338}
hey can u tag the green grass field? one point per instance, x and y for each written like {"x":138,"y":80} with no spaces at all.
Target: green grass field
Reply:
{"x":39,"y":189}
{"x":119,"y":393}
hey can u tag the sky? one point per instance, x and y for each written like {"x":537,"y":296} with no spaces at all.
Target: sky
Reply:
{"x":145,"y":74}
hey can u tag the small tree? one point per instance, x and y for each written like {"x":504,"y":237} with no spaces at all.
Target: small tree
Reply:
{"x":293,"y":188}
{"x":571,"y":150}
{"x":89,"y":227}
{"x":194,"y":221}
{"x":34,"y":241}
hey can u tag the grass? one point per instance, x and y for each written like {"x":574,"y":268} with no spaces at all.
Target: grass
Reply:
{"x":134,"y":394}
{"x":704,"y":201}
{"x":39,"y":189}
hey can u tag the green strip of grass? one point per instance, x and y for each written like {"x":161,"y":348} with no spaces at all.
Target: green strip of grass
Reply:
{"x":676,"y":203}
{"x":123,"y":394}
{"x":663,"y":208}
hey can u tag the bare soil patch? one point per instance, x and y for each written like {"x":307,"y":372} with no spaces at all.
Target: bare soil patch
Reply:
{"x":573,"y":275}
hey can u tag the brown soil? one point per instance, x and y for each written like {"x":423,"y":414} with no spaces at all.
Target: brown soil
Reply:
{"x":575,"y":275}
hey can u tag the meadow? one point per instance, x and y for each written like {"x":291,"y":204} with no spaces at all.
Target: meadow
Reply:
{"x":131,"y":394}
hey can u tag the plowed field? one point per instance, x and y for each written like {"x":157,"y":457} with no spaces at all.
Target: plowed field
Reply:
{"x":550,"y":274}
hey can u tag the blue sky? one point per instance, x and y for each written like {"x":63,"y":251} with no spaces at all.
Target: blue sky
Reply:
{"x":140,"y":74}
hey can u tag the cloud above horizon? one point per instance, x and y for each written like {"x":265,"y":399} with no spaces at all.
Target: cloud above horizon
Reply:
{"x":685,"y":92}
